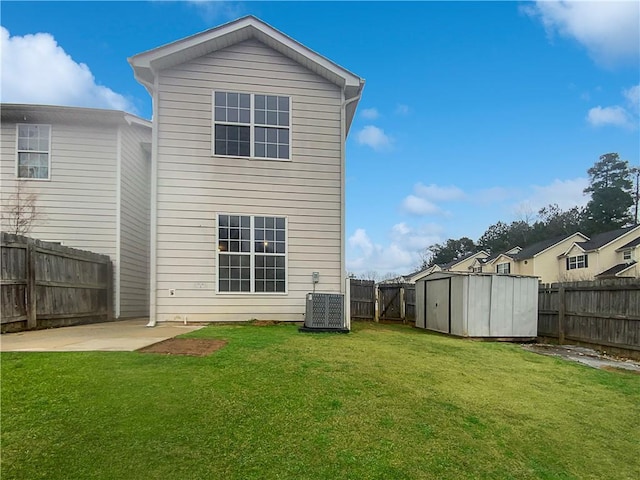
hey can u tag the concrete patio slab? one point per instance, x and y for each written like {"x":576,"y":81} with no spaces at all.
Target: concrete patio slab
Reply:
{"x":118,"y":336}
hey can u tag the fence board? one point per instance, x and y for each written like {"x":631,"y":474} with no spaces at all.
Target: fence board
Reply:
{"x":602,"y":313}
{"x":362,"y":299}
{"x":45,"y":285}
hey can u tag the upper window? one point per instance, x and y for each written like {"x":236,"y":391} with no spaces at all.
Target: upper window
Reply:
{"x":34,"y":151}
{"x":627,"y":255}
{"x":477,"y":269}
{"x":251,"y":125}
{"x":503,"y":268}
{"x":579,"y":261}
{"x":251,"y":254}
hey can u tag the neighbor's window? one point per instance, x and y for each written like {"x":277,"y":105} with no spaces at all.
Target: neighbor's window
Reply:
{"x":251,"y":254}
{"x":33,"y":151}
{"x":477,"y":269}
{"x":626,"y":255}
{"x":579,"y":261}
{"x":252,"y":125}
{"x":503,"y":268}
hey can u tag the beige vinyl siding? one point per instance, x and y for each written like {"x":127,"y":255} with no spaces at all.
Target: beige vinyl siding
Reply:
{"x":194,"y":186}
{"x":78,"y":203}
{"x":134,"y":222}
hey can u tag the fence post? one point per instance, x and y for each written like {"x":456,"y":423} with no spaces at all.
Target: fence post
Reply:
{"x":32,"y":320}
{"x":403,"y":309}
{"x":561,"y":313}
{"x":376,"y":299}
{"x":110,"y":296}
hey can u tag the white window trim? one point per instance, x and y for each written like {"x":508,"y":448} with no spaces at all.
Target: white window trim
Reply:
{"x":18,"y":151}
{"x":578,"y":261}
{"x":627,"y":255}
{"x":251,"y":125}
{"x":508,"y":266}
{"x":252,"y":253}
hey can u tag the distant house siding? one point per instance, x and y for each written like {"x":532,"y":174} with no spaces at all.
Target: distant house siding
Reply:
{"x":78,"y":203}
{"x":134,"y":221}
{"x":193,"y":186}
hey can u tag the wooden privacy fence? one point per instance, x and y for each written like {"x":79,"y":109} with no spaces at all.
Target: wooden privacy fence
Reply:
{"x":385,"y":301}
{"x":604,"y":314}
{"x":363,"y":299}
{"x":47,"y":285}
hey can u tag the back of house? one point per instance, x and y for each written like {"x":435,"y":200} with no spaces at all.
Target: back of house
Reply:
{"x":248,"y":174}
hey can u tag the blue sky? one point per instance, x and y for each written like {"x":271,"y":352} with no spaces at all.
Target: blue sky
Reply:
{"x":473,"y":112}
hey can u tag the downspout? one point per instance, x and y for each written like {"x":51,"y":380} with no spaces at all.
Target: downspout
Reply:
{"x":118,"y":266}
{"x":343,"y":175}
{"x":153,"y":220}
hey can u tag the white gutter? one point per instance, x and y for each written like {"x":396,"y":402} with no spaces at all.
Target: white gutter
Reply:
{"x":153,"y":220}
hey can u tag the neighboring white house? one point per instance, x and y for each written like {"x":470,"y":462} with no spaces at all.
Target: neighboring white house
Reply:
{"x":248,"y":173}
{"x":89,"y":171}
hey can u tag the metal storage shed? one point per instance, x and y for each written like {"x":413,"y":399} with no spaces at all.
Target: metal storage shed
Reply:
{"x":478,"y":305}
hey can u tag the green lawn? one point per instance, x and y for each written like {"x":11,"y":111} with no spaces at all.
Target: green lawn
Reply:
{"x":385,"y":402}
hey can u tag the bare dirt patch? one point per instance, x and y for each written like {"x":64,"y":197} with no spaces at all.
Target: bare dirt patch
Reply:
{"x":196,"y":347}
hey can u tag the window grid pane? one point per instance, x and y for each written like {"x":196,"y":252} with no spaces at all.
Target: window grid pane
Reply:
{"x":235,"y":252}
{"x":33,"y":151}
{"x":270,"y":127}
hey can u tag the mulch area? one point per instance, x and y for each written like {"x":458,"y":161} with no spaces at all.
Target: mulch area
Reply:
{"x":196,"y":347}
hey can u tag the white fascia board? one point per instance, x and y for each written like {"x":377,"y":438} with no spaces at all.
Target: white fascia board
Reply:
{"x":567,"y":251}
{"x":146,"y":63}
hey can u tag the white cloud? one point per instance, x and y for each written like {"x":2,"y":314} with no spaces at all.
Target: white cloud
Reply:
{"x":419,"y":206}
{"x":401,"y":255}
{"x":216,"y":10}
{"x":402,"y":109}
{"x":492,"y":195}
{"x":609,"y":30}
{"x":565,"y":193}
{"x":616,"y":116}
{"x":35,"y":69}
{"x":361,"y":240}
{"x":373,"y":137}
{"x":438,"y":193}
{"x":632,"y":96}
{"x":370,"y":113}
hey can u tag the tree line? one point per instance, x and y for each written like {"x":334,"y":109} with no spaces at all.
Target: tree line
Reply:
{"x":613,"y":204}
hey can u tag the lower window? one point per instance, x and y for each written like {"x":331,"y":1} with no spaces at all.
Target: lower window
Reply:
{"x":252,"y":254}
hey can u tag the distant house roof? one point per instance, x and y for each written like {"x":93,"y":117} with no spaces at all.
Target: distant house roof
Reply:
{"x":602,"y":239}
{"x":631,"y":244}
{"x":616,"y":270}
{"x":146,"y":64}
{"x":539,"y":247}
{"x":22,"y":112}
{"x":448,"y":265}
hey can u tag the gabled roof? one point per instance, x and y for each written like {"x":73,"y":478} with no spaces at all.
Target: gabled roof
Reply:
{"x":21,"y":112}
{"x":145,"y":65}
{"x":616,"y":270}
{"x":601,"y":239}
{"x":539,"y":247}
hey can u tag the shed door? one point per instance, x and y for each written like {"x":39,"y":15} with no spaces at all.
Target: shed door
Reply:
{"x":437,"y":303}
